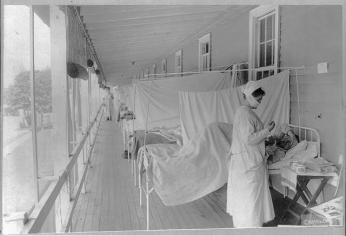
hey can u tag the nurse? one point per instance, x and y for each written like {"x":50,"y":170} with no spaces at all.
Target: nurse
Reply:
{"x":248,"y":195}
{"x":109,"y":104}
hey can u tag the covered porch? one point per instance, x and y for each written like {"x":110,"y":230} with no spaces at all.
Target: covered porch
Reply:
{"x":111,"y":200}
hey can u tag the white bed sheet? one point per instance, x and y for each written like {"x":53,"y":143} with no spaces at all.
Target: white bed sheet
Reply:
{"x":183,"y":174}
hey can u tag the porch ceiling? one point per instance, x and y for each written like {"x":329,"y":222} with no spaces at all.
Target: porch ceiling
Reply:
{"x":143,"y":34}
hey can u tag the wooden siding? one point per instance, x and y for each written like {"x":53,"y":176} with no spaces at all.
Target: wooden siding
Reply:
{"x":111,"y":202}
{"x":229,"y":42}
{"x":310,"y":35}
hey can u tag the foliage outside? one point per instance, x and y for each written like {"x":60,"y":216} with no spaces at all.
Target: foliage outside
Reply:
{"x":18,"y":95}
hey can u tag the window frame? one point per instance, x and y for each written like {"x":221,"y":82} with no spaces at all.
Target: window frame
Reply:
{"x":203,"y":40}
{"x":255,"y":14}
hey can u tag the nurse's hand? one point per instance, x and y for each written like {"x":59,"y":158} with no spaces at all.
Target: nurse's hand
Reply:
{"x":270,"y":126}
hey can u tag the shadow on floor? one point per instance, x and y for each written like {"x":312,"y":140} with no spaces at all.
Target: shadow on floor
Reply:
{"x":282,"y":216}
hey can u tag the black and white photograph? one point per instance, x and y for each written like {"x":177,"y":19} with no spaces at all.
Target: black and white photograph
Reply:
{"x":170,"y":117}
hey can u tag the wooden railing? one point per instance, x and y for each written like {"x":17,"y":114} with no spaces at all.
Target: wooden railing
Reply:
{"x":42,"y":209}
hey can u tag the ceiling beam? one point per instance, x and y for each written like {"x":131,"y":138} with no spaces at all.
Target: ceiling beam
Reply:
{"x":134,"y":37}
{"x":125,"y":17}
{"x":156,"y":27}
{"x":140,"y":58}
{"x":164,"y":23}
{"x":143,"y":33}
{"x":135,"y":44}
{"x":132,"y":55}
{"x":111,"y":9}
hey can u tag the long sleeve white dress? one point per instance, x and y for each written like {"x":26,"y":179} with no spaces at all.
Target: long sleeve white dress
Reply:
{"x":248,"y":195}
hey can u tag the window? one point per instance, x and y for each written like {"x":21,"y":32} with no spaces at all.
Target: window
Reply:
{"x":43,"y":97}
{"x":178,"y":61}
{"x":263,"y":44}
{"x":204,"y":53}
{"x":18,"y":173}
{"x":164,"y":66}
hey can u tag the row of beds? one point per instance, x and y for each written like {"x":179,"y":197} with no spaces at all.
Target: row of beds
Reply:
{"x":141,"y":163}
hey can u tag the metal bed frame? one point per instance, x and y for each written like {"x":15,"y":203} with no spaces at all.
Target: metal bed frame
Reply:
{"x":304,"y":133}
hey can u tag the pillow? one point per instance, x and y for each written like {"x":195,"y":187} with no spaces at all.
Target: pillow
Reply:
{"x":298,"y":148}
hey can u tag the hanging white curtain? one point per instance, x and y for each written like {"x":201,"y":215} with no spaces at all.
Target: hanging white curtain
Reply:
{"x":163,"y":99}
{"x":198,"y":109}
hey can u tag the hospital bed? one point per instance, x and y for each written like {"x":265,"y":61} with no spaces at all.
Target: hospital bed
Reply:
{"x":297,"y":177}
{"x":181,"y":174}
{"x":312,"y":138}
{"x":139,"y":138}
{"x":310,"y":135}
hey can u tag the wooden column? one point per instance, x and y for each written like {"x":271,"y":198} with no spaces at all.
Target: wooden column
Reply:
{"x":60,"y":94}
{"x":33,"y":109}
{"x":1,"y":102}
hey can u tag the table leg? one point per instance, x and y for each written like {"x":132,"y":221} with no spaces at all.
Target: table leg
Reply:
{"x":300,"y":191}
{"x":318,"y":191}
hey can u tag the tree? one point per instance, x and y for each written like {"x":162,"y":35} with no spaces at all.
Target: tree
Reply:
{"x":18,"y":94}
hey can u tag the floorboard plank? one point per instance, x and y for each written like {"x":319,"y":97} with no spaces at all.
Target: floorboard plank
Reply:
{"x":112,"y":201}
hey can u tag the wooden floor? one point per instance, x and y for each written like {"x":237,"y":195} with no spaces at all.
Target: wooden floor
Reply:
{"x":111,"y":202}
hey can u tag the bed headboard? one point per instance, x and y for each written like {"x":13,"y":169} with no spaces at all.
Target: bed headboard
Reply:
{"x":308,"y":134}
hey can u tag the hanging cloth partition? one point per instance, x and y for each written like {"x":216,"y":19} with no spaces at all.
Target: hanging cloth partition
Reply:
{"x":163,"y":99}
{"x":130,"y":97}
{"x":126,"y":95}
{"x":198,"y":109}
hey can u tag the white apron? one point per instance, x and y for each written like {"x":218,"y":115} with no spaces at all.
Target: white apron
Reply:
{"x":248,"y":196}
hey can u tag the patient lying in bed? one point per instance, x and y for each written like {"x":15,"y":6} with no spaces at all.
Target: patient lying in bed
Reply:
{"x":278,"y":144}
{"x":284,"y":148}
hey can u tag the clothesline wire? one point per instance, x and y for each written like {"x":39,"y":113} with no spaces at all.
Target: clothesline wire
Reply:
{"x":295,"y":69}
{"x":164,"y":76}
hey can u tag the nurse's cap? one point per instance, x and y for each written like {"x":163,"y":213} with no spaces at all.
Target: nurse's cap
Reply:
{"x":250,"y":87}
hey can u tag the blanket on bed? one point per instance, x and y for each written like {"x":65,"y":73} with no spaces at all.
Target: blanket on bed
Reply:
{"x":182,"y":174}
{"x":159,"y":135}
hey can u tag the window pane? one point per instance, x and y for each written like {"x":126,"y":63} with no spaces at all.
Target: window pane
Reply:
{"x":262,"y":30}
{"x":259,"y":75}
{"x":269,"y":53}
{"x":18,"y":175}
{"x":205,"y":62}
{"x":43,"y":96}
{"x":206,"y":48}
{"x":265,"y":74}
{"x":269,"y":27}
{"x":262,"y":55}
